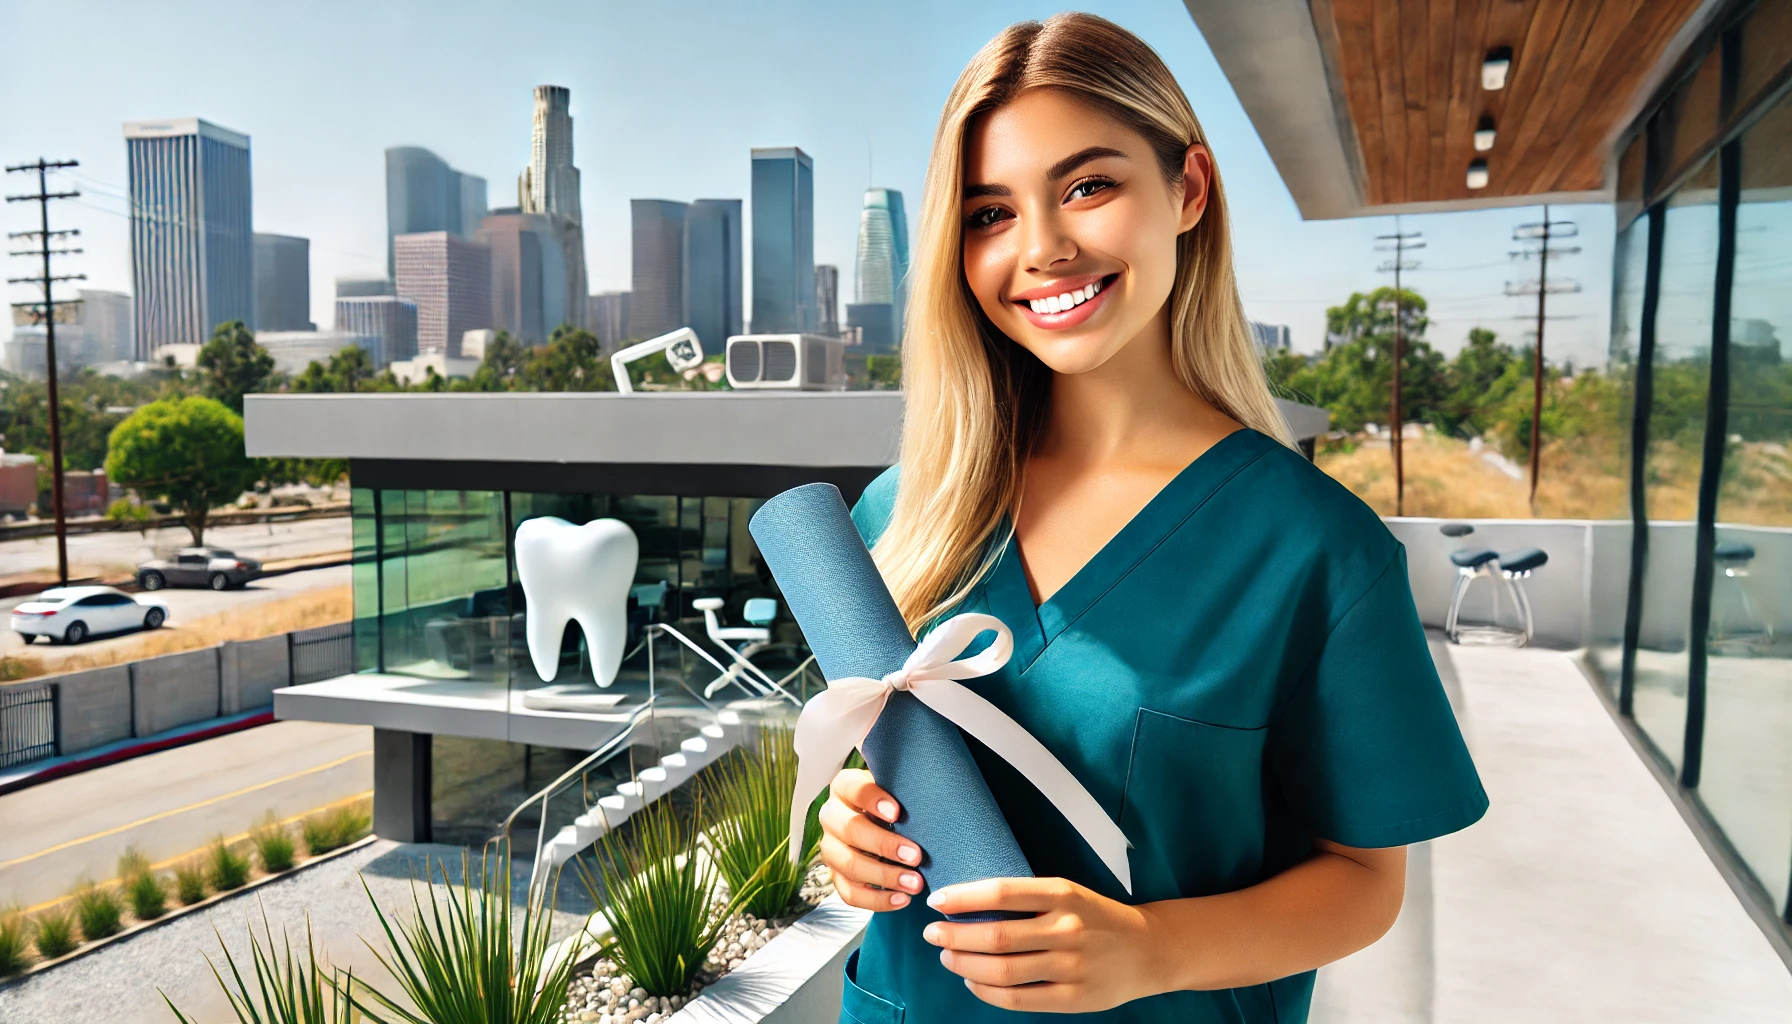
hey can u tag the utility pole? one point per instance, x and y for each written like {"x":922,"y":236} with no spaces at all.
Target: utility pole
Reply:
{"x":1398,"y":243}
{"x":1536,"y":241}
{"x":45,"y":313}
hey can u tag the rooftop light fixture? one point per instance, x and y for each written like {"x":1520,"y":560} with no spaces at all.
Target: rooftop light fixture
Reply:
{"x":1477,"y":173}
{"x":1494,"y":68}
{"x":1484,"y":134}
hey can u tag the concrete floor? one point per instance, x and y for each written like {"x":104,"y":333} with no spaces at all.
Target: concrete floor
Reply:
{"x":172,"y":802}
{"x":1582,"y":896}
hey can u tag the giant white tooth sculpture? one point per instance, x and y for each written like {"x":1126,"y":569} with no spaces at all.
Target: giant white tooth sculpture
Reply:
{"x":580,"y":574}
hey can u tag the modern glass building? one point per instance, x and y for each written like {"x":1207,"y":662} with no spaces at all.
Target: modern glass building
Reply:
{"x":609,"y":318}
{"x":282,"y":283}
{"x":783,"y":241}
{"x":1683,"y":467}
{"x":192,"y":230}
{"x":656,"y":300}
{"x":712,"y":271}
{"x":424,"y":194}
{"x":883,"y":253}
{"x":387,"y":318}
{"x":528,"y":274}
{"x":450,"y":280}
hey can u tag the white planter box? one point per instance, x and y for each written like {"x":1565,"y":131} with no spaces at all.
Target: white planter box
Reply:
{"x":795,"y":979}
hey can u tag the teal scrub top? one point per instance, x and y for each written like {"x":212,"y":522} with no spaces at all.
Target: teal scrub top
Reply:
{"x":1238,"y":672}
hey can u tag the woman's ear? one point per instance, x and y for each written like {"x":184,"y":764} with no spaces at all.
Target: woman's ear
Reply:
{"x":1197,"y":174}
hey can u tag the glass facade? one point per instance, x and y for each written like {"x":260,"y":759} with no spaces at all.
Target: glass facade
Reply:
{"x":1701,"y":309}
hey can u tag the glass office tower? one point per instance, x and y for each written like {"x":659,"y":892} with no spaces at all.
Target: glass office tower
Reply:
{"x":783,"y":241}
{"x":656,"y":303}
{"x":883,"y":253}
{"x":424,"y":194}
{"x":712,"y":271}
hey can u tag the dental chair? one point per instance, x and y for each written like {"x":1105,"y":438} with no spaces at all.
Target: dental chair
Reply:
{"x":744,"y":641}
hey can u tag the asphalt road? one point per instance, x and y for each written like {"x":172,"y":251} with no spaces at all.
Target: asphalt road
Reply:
{"x":121,"y":550}
{"x":173,"y":802}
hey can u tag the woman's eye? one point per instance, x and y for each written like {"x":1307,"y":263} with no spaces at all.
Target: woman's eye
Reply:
{"x":1085,"y":189}
{"x":986,"y":216}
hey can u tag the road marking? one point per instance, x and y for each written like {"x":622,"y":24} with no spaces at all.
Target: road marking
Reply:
{"x":59,"y":847}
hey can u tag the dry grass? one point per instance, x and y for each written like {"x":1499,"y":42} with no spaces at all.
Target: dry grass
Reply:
{"x":302,"y":610}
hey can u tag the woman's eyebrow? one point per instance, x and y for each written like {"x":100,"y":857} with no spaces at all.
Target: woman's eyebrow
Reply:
{"x":979,"y":191}
{"x":1078,"y":159}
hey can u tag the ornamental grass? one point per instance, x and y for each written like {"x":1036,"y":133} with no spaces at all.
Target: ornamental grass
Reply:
{"x":750,"y":834}
{"x":55,"y":933}
{"x":15,"y":942}
{"x":332,"y":829}
{"x":189,"y":881}
{"x":99,"y":910}
{"x":661,"y":898}
{"x":226,"y":869}
{"x":468,"y":958}
{"x":286,"y":989}
{"x":146,"y":893}
{"x":274,"y":845}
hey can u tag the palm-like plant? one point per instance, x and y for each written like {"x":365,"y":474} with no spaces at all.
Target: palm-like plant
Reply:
{"x":660,"y":898}
{"x":466,"y":959}
{"x":287,"y":989}
{"x":750,"y":834}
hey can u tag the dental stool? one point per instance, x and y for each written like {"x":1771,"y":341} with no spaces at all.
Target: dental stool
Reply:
{"x":744,"y":640}
{"x":1508,"y":571}
{"x":1733,"y":558}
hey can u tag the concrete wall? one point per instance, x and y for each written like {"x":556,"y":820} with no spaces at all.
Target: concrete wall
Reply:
{"x":1579,"y":598}
{"x":175,"y":690}
{"x":249,"y":671}
{"x":93,"y":708}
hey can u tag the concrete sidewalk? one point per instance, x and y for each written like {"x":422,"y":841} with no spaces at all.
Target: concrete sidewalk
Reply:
{"x":1582,"y":896}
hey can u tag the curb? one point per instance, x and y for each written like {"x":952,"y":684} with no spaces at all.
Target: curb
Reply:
{"x":77,"y":763}
{"x":182,"y":911}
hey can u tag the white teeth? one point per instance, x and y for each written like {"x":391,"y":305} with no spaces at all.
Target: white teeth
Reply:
{"x":576,"y":573}
{"x":1067,"y":300}
{"x":1051,"y":304}
{"x":1090,"y":290}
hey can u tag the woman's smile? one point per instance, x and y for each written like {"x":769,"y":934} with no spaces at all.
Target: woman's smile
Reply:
{"x":1065,"y":303}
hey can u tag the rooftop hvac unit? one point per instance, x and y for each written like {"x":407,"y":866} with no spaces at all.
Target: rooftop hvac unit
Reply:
{"x":789,"y":362}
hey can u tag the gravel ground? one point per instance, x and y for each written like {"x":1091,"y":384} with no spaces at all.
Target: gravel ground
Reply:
{"x":119,"y":984}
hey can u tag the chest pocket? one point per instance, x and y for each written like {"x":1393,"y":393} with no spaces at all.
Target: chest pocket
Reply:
{"x":1193,"y":807}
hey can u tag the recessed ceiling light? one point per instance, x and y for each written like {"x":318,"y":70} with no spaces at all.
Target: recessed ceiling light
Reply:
{"x":1484,"y":134}
{"x":1494,"y":68}
{"x":1477,"y":174}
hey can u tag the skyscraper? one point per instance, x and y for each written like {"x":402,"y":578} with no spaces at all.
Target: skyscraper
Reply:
{"x":528,"y":268}
{"x":356,"y":287}
{"x":827,"y":299}
{"x":107,"y":331}
{"x":424,"y":194}
{"x":783,"y":241}
{"x":883,"y":253}
{"x":450,"y":280}
{"x":609,"y":318}
{"x":712,"y":272}
{"x":549,"y":186}
{"x":192,"y":245}
{"x":282,"y":283}
{"x":391,"y":320}
{"x":656,"y":303}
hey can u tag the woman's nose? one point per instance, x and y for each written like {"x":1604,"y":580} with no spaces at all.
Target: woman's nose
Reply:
{"x":1045,"y":241}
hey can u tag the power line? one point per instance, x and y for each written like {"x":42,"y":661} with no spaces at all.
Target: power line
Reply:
{"x":46,"y":313}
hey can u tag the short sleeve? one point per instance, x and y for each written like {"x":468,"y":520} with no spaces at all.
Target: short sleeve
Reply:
{"x":872,"y":511}
{"x":1366,"y":749}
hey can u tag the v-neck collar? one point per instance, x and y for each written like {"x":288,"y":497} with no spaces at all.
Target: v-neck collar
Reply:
{"x":1036,"y":625}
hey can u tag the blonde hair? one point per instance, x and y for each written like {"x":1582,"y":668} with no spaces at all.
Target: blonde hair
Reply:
{"x":976,"y":401}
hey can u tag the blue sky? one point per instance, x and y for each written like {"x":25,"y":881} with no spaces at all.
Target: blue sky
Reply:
{"x":667,"y":98}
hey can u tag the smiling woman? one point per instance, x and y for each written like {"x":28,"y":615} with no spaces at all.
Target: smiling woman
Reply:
{"x":1217,"y":640}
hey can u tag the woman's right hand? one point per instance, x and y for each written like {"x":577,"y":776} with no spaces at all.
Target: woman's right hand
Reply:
{"x":874,"y":868}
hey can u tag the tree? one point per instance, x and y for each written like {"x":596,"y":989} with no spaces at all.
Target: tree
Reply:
{"x":1354,"y":375}
{"x":349,"y":369}
{"x":1480,"y":379}
{"x":188,"y":451}
{"x":572,"y":360}
{"x":233,"y":365}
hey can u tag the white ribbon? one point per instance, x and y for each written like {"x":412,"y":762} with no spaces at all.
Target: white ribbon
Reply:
{"x":836,"y":720}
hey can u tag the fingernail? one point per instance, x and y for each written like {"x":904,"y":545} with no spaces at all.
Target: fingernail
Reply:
{"x":934,"y":900}
{"x":931,"y":933}
{"x":899,"y":899}
{"x":887,"y":809}
{"x":908,"y":855}
{"x":910,"y":880}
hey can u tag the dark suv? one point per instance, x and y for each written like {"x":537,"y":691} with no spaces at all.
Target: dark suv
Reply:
{"x":198,"y":567}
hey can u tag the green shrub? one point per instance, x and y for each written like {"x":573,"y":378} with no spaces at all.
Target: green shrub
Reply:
{"x":189,"y":882}
{"x":286,"y":989}
{"x":329,"y":830}
{"x":55,"y":933}
{"x":225,"y":868}
{"x":660,"y":898}
{"x":100,"y":911}
{"x":468,"y":959}
{"x":132,"y":863}
{"x":274,"y":845}
{"x":124,"y":510}
{"x":750,"y":836}
{"x":15,"y":942}
{"x":148,"y":895}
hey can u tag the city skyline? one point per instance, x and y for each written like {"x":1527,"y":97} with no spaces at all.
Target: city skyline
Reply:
{"x":318,"y":150}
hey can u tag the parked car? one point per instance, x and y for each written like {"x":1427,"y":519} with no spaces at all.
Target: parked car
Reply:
{"x":72,"y":614}
{"x":198,"y":567}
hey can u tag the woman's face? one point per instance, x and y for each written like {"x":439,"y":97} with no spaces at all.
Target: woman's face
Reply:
{"x":1070,"y":227}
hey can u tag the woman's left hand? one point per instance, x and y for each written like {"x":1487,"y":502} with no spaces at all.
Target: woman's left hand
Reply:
{"x":1082,"y":952}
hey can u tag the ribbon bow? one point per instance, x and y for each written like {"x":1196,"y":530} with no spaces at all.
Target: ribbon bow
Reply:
{"x":836,"y":720}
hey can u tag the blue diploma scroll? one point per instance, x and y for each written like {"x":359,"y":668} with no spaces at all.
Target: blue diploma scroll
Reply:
{"x":852,"y":625}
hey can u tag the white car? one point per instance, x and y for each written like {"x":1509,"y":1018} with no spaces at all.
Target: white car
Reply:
{"x":72,"y":614}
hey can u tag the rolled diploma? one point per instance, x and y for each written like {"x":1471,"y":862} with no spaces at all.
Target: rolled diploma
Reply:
{"x":831,"y":585}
